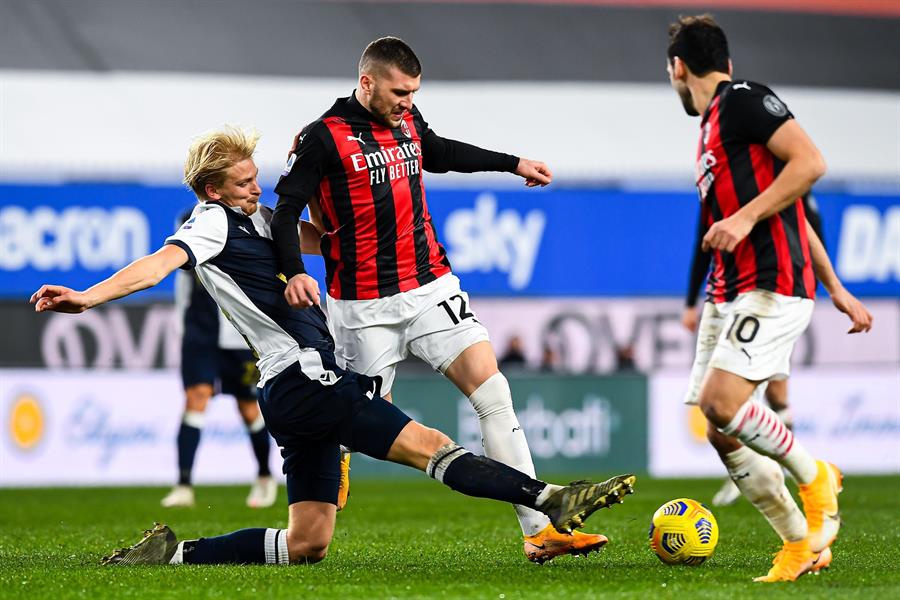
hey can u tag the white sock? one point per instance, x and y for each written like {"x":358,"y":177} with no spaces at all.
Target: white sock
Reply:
{"x":178,"y":557}
{"x":275,"y":544}
{"x":761,"y":481}
{"x":786,"y":416}
{"x":194,"y":418}
{"x":258,"y":424}
{"x":545,"y":493}
{"x":760,"y":428}
{"x":504,"y":440}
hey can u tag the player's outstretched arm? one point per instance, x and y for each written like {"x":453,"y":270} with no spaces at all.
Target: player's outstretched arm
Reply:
{"x":141,"y":274}
{"x":843,"y":300}
{"x":804,"y":165}
{"x":441,"y":155}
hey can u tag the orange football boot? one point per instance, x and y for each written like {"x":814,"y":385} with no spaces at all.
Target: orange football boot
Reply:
{"x":796,"y":559}
{"x":549,"y":543}
{"x":820,"y":504}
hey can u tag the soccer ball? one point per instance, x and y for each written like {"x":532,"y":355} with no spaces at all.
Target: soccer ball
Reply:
{"x":683,"y":532}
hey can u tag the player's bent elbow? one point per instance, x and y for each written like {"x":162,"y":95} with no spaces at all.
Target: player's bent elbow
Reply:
{"x":816,"y":167}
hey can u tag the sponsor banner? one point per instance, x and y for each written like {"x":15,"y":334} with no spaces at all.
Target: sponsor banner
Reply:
{"x":85,"y":428}
{"x":849,"y":417}
{"x":602,"y":335}
{"x":502,"y":242}
{"x":114,"y":336}
{"x":579,"y":335}
{"x":578,"y":424}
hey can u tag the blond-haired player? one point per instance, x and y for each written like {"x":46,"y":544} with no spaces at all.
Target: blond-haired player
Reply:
{"x":310,"y":404}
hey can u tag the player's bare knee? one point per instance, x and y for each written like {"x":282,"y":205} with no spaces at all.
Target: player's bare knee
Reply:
{"x":196,"y":397}
{"x":715,"y":408}
{"x":249,"y":410}
{"x":307,"y":550}
{"x":433,"y":440}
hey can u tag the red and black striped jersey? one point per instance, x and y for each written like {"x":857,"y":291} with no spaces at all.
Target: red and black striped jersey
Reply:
{"x":733,"y":167}
{"x":379,"y":238}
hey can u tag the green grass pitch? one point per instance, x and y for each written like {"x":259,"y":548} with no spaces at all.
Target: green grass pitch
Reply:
{"x":406,"y":538}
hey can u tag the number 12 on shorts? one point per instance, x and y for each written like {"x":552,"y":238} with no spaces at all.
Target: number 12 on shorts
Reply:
{"x":461,"y":313}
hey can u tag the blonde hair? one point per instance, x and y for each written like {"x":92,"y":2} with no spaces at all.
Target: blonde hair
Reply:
{"x":213,"y":153}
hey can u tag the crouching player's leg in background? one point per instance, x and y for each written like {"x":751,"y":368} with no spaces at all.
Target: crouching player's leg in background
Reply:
{"x":382,"y":431}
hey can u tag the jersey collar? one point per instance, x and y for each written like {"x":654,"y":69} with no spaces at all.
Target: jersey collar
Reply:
{"x":720,"y":89}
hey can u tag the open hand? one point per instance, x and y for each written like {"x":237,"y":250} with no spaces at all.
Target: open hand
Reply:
{"x":59,"y":299}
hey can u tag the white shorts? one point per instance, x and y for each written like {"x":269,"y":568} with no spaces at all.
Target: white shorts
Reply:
{"x":751,"y":336}
{"x":434,"y":322}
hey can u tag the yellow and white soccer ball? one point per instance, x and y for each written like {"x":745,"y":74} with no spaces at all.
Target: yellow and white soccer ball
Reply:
{"x":683,"y":532}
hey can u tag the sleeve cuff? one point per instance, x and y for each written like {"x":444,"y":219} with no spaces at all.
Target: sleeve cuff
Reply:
{"x":192,"y":260}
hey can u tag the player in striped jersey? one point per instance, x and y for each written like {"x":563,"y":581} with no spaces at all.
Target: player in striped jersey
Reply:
{"x":754,"y":162}
{"x":776,"y":390}
{"x":391,"y":292}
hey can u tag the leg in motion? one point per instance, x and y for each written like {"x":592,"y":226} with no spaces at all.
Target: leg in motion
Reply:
{"x":384,"y":432}
{"x":476,"y":375}
{"x":725,"y":400}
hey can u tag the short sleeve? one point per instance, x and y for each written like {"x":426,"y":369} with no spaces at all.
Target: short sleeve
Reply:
{"x":202,"y":236}
{"x":304,"y":169}
{"x":754,"y":112}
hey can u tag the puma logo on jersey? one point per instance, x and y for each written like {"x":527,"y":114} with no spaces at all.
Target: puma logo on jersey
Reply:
{"x":741,"y":86}
{"x":357,"y":138}
{"x":244,"y":229}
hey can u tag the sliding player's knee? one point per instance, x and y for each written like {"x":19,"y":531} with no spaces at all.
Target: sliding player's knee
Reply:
{"x":492,"y":397}
{"x":432,"y":440}
{"x":307,"y":549}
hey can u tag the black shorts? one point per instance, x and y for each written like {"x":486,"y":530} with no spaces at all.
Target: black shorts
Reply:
{"x":230,"y":372}
{"x":310,"y":414}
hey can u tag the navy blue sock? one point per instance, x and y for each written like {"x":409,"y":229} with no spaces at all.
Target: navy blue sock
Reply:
{"x":259,"y":439}
{"x":188,"y":440}
{"x":245,"y":546}
{"x":483,"y":477}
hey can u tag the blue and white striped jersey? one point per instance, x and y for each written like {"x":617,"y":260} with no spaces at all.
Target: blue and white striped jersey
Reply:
{"x":234,"y":259}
